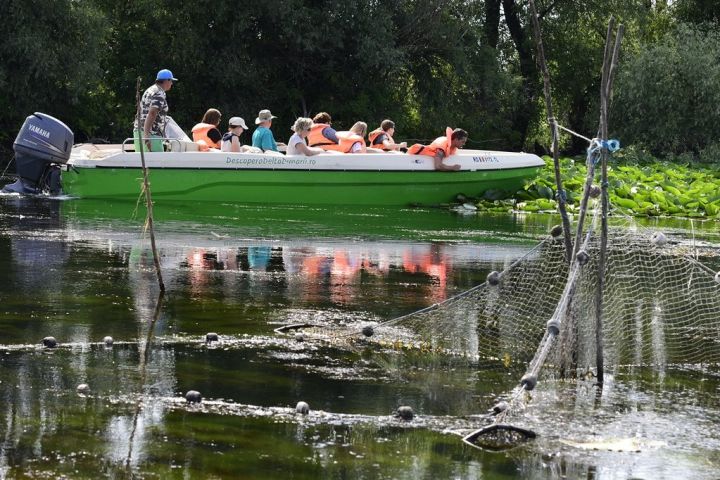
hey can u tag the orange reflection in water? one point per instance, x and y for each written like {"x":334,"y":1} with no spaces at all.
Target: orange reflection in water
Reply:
{"x":432,"y":262}
{"x":200,"y":264}
{"x":332,"y":271}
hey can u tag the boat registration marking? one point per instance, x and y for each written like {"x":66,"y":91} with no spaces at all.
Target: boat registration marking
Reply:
{"x":486,"y":159}
{"x":264,"y":161}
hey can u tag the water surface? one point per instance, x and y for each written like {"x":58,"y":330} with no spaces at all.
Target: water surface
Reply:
{"x":81,"y":270}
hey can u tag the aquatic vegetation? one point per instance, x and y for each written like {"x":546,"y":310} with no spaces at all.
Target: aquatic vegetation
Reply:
{"x":659,"y":188}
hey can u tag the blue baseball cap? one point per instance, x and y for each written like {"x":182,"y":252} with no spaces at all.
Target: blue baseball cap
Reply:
{"x":165,"y":74}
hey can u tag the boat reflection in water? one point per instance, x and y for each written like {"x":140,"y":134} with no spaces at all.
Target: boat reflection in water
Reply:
{"x":341,"y":273}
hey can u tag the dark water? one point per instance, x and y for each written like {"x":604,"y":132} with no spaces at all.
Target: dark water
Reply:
{"x":79,"y":270}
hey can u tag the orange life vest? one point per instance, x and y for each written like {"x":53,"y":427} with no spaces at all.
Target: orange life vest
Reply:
{"x":376,"y":133}
{"x":316,"y":138}
{"x":348,"y":139}
{"x":440,"y":143}
{"x":200,"y":136}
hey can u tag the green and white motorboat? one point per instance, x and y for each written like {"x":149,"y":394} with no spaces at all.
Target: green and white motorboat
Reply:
{"x":115,"y":172}
{"x":332,"y":178}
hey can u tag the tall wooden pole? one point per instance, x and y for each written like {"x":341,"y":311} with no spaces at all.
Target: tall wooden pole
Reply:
{"x":561,"y":199}
{"x":146,"y":188}
{"x":609,"y":67}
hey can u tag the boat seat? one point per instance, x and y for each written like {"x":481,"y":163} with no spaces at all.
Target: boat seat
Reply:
{"x":106,"y":152}
{"x":183,"y":146}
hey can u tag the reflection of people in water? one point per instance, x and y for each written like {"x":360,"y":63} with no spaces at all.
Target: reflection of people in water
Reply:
{"x":258,"y":258}
{"x":433,"y":263}
{"x":228,"y":259}
{"x":377,"y":267}
{"x":200,"y":264}
{"x":316,"y":265}
{"x":339,"y":270}
{"x":344,"y":267}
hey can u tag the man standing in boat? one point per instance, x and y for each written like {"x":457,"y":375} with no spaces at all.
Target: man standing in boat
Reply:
{"x":442,"y":147}
{"x":153,"y":112}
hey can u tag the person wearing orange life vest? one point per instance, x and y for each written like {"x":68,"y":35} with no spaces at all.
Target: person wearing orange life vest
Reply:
{"x":206,"y":133}
{"x":442,"y":147}
{"x":353,"y":141}
{"x":322,"y":134}
{"x":382,"y":139}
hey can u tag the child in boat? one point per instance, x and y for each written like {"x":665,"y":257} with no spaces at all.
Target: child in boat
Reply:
{"x":353,"y":141}
{"x":442,"y":147}
{"x":231,"y":139}
{"x":262,"y":137}
{"x":206,"y":133}
{"x":382,"y":138}
{"x":296,"y":145}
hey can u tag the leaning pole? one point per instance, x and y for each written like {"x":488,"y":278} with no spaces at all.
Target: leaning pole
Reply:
{"x":146,"y":188}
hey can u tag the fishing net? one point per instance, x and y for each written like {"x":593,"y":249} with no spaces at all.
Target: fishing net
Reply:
{"x":661,"y":303}
{"x":538,"y":315}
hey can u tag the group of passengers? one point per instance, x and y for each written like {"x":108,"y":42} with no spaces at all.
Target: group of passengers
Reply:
{"x":311,"y":136}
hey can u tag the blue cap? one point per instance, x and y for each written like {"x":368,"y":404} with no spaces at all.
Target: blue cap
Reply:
{"x":165,"y":74}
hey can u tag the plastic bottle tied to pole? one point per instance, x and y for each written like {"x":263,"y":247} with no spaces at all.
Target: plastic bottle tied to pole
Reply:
{"x":612,"y":145}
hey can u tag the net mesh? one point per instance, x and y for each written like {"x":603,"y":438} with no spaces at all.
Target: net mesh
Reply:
{"x":661,"y":306}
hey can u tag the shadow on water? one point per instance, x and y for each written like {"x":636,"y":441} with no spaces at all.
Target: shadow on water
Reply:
{"x":79,"y":270}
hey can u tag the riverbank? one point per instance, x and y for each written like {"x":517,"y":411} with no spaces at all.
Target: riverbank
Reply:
{"x":636,"y":187}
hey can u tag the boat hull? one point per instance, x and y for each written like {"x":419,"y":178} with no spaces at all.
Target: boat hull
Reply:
{"x":292,"y":187}
{"x":322,"y":180}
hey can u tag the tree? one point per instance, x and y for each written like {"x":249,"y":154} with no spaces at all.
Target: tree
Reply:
{"x":698,"y":11}
{"x":41,"y":70}
{"x":423,"y":63}
{"x":668,"y":93}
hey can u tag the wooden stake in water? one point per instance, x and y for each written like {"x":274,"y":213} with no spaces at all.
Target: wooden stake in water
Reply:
{"x":608,"y":74}
{"x":146,"y":188}
{"x":555,"y":133}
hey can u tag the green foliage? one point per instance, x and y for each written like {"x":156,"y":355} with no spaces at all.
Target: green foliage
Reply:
{"x":49,"y":62}
{"x":710,"y":154}
{"x":638,"y":185}
{"x":668,"y":93}
{"x":698,"y":11}
{"x":574,"y":38}
{"x":419,"y":63}
{"x":425,"y":64}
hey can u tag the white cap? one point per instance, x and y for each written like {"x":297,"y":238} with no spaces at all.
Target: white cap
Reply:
{"x":237,"y":122}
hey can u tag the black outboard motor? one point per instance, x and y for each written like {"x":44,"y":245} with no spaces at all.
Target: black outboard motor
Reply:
{"x":42,"y":143}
